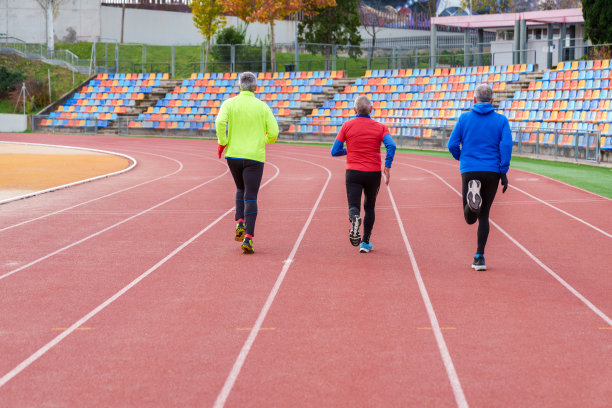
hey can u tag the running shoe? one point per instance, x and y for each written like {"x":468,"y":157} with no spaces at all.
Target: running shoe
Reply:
{"x":364,"y":247}
{"x":474,"y":199}
{"x":355,"y":231}
{"x":247,"y":246}
{"x":479,"y":263}
{"x":240,"y":230}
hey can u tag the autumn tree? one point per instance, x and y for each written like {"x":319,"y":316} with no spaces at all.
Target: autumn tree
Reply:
{"x":337,"y":24}
{"x":488,"y":6}
{"x":208,"y":18}
{"x":51,"y":9}
{"x":267,"y":11}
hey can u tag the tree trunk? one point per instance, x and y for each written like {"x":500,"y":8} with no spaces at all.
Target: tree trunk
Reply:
{"x":50,"y":35}
{"x":122,"y":19}
{"x":272,"y":53}
{"x":206,"y":56}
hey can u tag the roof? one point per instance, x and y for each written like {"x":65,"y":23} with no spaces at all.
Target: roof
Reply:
{"x":571,"y":16}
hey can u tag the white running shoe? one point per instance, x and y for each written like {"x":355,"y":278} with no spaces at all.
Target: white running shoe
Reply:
{"x":474,"y":199}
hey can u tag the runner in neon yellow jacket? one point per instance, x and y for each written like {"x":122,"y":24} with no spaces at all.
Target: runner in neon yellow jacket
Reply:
{"x":245,"y":125}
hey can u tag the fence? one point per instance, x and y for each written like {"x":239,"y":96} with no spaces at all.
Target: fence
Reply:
{"x":544,"y":143}
{"x":40,"y":51}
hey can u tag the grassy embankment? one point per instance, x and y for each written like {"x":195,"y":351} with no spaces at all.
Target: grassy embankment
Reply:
{"x":61,"y":78}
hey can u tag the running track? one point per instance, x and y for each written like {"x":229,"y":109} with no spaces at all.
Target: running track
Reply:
{"x":130,"y":291}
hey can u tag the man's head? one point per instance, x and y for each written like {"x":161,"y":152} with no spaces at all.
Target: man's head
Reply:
{"x":363,"y":106}
{"x":483,"y":94}
{"x":247,"y":81}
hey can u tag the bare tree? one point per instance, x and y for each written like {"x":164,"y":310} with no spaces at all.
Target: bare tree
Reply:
{"x":51,"y":8}
{"x":374,"y":19}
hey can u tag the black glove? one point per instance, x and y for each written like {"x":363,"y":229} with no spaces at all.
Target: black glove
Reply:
{"x":504,"y":182}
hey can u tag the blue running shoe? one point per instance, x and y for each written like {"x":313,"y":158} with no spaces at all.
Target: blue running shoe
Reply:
{"x":479,"y":263}
{"x":364,"y":247}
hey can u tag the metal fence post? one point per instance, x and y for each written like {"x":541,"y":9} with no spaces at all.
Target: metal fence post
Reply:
{"x":334,"y":52}
{"x":263,"y":57}
{"x":116,"y":58}
{"x":172,"y":60}
{"x":144,"y":57}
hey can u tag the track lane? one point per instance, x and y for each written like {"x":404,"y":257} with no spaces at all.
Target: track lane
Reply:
{"x":204,"y":283}
{"x":350,"y":329}
{"x":519,"y":332}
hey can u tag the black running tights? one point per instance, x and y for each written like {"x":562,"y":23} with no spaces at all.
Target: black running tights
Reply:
{"x":247,"y":176}
{"x":488,"y":188}
{"x":367,"y":182}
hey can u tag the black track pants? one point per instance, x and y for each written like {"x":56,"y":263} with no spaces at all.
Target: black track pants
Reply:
{"x":489,"y":182}
{"x":367,"y":182}
{"x":247,"y":176}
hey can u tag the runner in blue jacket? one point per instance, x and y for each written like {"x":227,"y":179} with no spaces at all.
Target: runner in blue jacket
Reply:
{"x":482,"y":142}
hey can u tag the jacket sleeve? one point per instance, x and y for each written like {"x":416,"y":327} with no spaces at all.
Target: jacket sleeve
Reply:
{"x":505,"y":148}
{"x":390,"y":146}
{"x":221,"y":124}
{"x":271,"y":126}
{"x":454,"y":141}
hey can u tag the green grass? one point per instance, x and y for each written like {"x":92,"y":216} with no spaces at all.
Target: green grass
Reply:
{"x":61,"y":78}
{"x":588,"y":177}
{"x":187,"y":59}
{"x":591,"y":178}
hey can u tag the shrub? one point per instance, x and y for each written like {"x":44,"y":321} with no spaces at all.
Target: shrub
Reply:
{"x":8,"y":81}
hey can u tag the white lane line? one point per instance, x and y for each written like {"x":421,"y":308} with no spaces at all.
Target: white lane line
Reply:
{"x":563,"y":212}
{"x":95,"y":234}
{"x":41,"y":351}
{"x":571,"y":289}
{"x":21,"y":197}
{"x":446,"y":358}
{"x":233,"y":375}
{"x":101,"y":197}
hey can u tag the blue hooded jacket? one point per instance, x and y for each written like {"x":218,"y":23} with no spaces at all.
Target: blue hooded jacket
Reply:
{"x":481,"y":140}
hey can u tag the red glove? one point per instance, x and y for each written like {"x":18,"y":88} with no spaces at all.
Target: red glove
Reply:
{"x":220,"y":149}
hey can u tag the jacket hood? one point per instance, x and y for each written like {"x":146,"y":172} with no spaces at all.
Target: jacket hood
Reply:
{"x":483,"y":108}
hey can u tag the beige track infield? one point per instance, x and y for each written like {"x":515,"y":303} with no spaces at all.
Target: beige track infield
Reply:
{"x":26,"y":169}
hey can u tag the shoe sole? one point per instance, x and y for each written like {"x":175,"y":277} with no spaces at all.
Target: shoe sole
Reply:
{"x":479,"y":267}
{"x":473,"y":196}
{"x":364,"y":251}
{"x":246,"y":249}
{"x":239,"y":235}
{"x":355,"y":234}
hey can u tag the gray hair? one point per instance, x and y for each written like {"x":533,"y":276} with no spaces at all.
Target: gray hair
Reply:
{"x":483,"y":93}
{"x":247,"y":81}
{"x":363,"y":106}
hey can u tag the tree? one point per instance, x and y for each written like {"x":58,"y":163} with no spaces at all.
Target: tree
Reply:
{"x":488,"y":6}
{"x":337,"y":24}
{"x":597,"y":16}
{"x":51,"y":8}
{"x":374,"y":19}
{"x":267,"y":11}
{"x":558,"y":4}
{"x":208,"y":19}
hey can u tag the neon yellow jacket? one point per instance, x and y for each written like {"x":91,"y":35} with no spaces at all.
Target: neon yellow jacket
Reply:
{"x":245,"y":125}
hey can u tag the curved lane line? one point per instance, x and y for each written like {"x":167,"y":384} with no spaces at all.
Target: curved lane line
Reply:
{"x":233,"y":375}
{"x":75,"y":326}
{"x":101,"y":197}
{"x":21,"y":197}
{"x":559,"y":279}
{"x":95,"y":234}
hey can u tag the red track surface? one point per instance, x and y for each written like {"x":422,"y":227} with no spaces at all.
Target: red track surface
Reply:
{"x":130,"y":291}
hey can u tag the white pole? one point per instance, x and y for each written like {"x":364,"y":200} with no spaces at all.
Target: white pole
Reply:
{"x":50,"y":39}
